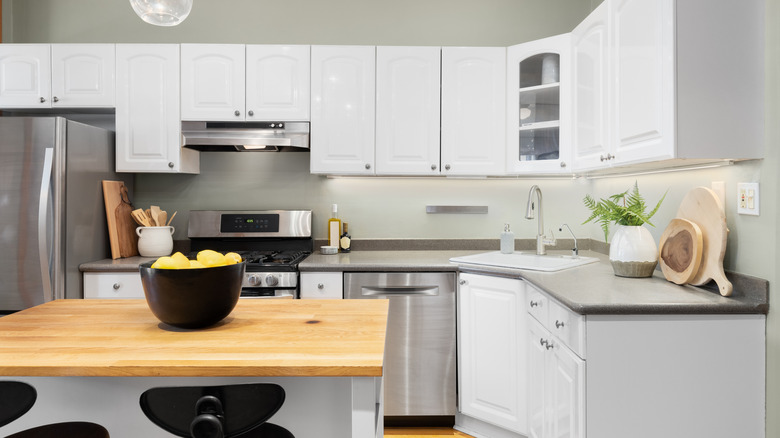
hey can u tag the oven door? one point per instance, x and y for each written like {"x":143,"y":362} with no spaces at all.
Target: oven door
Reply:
{"x":267,"y":292}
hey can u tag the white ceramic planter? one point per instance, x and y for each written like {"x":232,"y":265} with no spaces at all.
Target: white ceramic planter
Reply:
{"x":155,"y":241}
{"x":633,"y":252}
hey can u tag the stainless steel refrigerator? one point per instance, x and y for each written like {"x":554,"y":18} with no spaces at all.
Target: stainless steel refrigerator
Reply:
{"x":52,"y":215}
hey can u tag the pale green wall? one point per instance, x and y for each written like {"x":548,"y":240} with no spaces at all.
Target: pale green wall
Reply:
{"x":395,"y":208}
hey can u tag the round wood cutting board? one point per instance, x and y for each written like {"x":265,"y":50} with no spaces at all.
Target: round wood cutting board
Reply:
{"x":680,"y":250}
{"x":703,"y":207}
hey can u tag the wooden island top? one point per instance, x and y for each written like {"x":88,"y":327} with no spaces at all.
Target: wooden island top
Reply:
{"x":261,"y":337}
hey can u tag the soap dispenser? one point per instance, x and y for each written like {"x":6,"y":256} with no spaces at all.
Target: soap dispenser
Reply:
{"x":507,"y":241}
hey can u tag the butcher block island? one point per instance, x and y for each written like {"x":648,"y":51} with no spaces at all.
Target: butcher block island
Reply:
{"x":90,"y":360}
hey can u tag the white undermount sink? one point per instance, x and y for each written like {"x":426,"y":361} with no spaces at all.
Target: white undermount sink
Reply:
{"x":525,"y":260}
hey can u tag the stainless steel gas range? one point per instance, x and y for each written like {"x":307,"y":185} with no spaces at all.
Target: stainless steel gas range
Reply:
{"x":272,"y":242}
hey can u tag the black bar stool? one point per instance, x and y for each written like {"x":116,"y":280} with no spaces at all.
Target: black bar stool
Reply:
{"x":16,"y":398}
{"x":216,"y":411}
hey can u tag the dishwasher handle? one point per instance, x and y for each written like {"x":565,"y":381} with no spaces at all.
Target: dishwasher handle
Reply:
{"x":396,"y":291}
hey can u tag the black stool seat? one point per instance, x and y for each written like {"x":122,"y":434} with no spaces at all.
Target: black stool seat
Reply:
{"x":16,"y":398}
{"x":224,"y":411}
{"x":72,"y":429}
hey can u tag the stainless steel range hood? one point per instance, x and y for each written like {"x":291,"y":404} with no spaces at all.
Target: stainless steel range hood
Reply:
{"x":246,"y":136}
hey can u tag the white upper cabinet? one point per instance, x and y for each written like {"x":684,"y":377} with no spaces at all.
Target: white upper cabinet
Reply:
{"x":277,"y":83}
{"x":212,"y":82}
{"x":56,"y":75}
{"x":342,"y":109}
{"x":590,"y":64}
{"x":148,"y":126}
{"x":407,"y":110}
{"x":666,"y":83}
{"x":538,"y":108}
{"x":473,"y":115}
{"x":234,"y":82}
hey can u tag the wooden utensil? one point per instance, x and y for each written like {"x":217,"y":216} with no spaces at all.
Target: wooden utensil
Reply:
{"x":171,"y":218}
{"x":162,"y":216}
{"x":703,"y":207}
{"x":155,"y":210}
{"x":121,"y":227}
{"x":680,"y":250}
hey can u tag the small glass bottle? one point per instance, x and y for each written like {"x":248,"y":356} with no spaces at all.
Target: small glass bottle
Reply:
{"x":345,"y":242}
{"x":507,"y":241}
{"x":334,"y":227}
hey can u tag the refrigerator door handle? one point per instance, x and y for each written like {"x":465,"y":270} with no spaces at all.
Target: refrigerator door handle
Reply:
{"x":43,"y":213}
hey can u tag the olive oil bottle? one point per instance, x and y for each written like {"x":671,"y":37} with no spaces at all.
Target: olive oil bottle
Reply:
{"x":345,"y":242}
{"x":334,"y":227}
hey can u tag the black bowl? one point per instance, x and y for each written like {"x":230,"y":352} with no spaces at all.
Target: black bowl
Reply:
{"x":192,"y":298}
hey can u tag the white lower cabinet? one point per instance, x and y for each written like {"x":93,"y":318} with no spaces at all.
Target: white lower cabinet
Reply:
{"x":322,"y":285}
{"x":492,"y":353}
{"x":106,"y":285}
{"x":556,"y":401}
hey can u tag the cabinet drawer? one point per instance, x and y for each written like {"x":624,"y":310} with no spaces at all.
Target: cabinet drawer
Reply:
{"x":537,"y":305}
{"x":113,"y":285}
{"x":322,"y":285}
{"x":567,"y":326}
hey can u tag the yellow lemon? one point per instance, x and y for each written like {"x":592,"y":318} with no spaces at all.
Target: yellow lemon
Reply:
{"x":211,"y":258}
{"x":194,"y":264}
{"x":232,"y":258}
{"x":165,"y":262}
{"x":182,"y":262}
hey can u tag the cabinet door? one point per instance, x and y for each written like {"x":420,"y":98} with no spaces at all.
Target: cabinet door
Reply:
{"x":148,"y":126}
{"x":538,"y":106}
{"x":492,"y":327}
{"x":643,"y":62}
{"x":537,"y":386}
{"x":277,"y":83}
{"x":473,"y":124}
{"x":566,"y":394}
{"x":590,"y":116}
{"x":212,"y":82}
{"x":408,"y":110}
{"x":342,"y":109}
{"x":322,"y":285}
{"x":25,"y":76}
{"x":82,"y":75}
{"x":113,"y":285}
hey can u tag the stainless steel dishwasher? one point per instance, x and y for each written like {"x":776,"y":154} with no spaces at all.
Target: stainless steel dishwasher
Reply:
{"x":419,"y":371}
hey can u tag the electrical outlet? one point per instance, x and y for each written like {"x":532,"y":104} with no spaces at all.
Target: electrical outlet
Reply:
{"x":747,"y":198}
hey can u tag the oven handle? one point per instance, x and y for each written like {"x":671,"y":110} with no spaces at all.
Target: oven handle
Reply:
{"x":394,"y":291}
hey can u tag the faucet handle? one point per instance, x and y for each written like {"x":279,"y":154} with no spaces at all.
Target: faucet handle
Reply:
{"x":549,"y":240}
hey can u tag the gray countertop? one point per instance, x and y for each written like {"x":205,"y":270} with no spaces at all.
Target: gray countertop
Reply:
{"x":588,"y":289}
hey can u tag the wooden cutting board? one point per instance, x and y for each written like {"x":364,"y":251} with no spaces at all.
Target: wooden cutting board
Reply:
{"x":680,"y":250}
{"x":703,"y":207}
{"x":121,"y":226}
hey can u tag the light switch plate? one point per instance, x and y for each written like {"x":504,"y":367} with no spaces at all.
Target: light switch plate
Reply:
{"x":747,"y":198}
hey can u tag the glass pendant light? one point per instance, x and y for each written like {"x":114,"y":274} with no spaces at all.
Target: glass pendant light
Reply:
{"x":162,"y":12}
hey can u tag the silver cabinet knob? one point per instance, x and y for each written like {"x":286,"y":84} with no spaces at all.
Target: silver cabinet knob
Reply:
{"x":601,"y":158}
{"x":117,"y":286}
{"x":170,"y":164}
{"x":237,"y":113}
{"x":563,"y":164}
{"x":320,"y":286}
{"x":368,"y":166}
{"x":549,"y":345}
{"x":462,"y":282}
{"x":55,"y":99}
{"x":534,"y":303}
{"x":251,"y":113}
{"x":558,"y":324}
{"x":43,"y":100}
{"x":543,"y":342}
{"x":447,"y":167}
{"x":433,"y":167}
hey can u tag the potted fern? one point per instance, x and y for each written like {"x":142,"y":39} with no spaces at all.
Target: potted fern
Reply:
{"x":633,"y":252}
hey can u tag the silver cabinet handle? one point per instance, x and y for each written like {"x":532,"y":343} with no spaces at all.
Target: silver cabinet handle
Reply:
{"x":534,"y":303}
{"x":462,"y":282}
{"x":447,"y":167}
{"x":320,"y":286}
{"x":549,"y":345}
{"x":43,"y":100}
{"x":251,"y":113}
{"x":368,"y":166}
{"x":55,"y":99}
{"x":558,"y":324}
{"x":368,"y":291}
{"x":237,"y":113}
{"x":563,"y":164}
{"x":170,"y":164}
{"x":433,"y":167}
{"x":117,"y":286}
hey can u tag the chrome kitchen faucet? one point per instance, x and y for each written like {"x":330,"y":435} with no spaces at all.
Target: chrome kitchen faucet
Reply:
{"x":541,"y":239}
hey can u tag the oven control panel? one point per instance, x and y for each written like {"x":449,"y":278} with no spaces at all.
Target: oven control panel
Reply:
{"x":249,"y":223}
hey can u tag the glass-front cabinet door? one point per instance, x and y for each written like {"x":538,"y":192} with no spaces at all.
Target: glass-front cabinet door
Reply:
{"x":538,"y":106}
